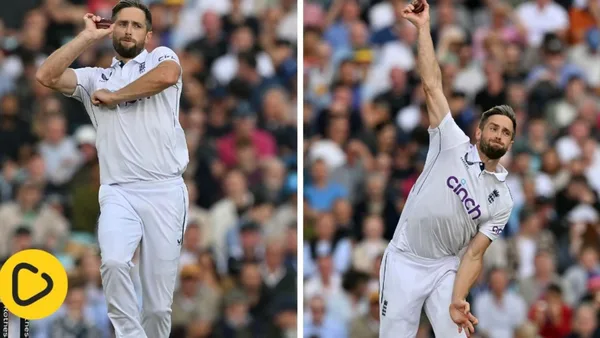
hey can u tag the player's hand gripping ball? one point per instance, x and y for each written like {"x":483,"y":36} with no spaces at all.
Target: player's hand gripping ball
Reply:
{"x":418,"y":6}
{"x":97,"y":28}
{"x":103,"y":24}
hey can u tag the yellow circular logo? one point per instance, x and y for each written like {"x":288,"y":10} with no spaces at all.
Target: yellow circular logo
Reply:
{"x":34,"y":284}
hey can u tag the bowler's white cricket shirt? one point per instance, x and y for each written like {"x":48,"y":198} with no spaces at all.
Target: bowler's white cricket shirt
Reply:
{"x":453,"y":199}
{"x":139,"y":140}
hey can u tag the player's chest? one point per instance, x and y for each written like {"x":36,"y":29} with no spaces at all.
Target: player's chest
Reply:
{"x":118,"y":77}
{"x":472,"y":194}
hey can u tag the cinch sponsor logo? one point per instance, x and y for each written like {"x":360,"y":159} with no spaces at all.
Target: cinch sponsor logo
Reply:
{"x":458,"y":188}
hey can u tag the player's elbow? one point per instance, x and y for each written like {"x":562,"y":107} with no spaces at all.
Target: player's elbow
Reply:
{"x":44,"y":79}
{"x":170,"y":74}
{"x":432,"y":87}
{"x":170,"y":78}
{"x":474,"y":254}
{"x":477,"y":248}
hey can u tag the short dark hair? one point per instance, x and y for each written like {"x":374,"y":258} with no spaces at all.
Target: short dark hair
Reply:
{"x":494,"y":269}
{"x":135,"y":4}
{"x":499,"y":110}
{"x":76,"y":281}
{"x":353,"y":279}
{"x":555,"y":288}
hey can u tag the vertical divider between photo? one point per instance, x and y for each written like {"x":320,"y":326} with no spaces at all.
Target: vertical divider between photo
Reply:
{"x":300,"y":164}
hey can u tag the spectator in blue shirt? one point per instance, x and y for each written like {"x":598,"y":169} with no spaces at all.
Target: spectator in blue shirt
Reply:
{"x":317,"y":324}
{"x":322,"y":192}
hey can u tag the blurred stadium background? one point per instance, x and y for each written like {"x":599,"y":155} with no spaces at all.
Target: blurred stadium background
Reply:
{"x":238,"y":267}
{"x":365,"y":142}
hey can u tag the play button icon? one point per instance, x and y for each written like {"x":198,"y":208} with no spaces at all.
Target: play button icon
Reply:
{"x":36,"y":284}
{"x":36,"y":297}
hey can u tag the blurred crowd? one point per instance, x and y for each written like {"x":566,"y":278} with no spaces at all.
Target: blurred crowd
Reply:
{"x":237,"y":275}
{"x":366,"y":139}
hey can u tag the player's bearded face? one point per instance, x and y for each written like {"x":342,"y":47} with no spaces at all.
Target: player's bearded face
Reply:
{"x":492,"y":148}
{"x":127,"y":46}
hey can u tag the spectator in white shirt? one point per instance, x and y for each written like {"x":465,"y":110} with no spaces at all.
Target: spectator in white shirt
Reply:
{"x":59,"y":151}
{"x":371,"y":246}
{"x":570,"y":146}
{"x":328,"y":242}
{"x":540,"y":17}
{"x":242,"y":39}
{"x":586,"y":56}
{"x":326,"y":282}
{"x":576,"y":277}
{"x":500,"y":311}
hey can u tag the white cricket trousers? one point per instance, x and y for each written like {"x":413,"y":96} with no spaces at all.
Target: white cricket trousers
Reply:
{"x":153,"y":216}
{"x":406,"y":284}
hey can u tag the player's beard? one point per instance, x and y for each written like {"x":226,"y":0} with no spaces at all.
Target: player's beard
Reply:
{"x":492,"y":152}
{"x":127,"y":52}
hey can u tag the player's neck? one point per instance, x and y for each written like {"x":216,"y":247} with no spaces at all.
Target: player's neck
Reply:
{"x":122,"y":59}
{"x":490,"y":165}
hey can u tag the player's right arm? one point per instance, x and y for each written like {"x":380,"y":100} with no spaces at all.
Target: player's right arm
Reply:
{"x":428,"y":67}
{"x":471,"y":266}
{"x":54,"y":72}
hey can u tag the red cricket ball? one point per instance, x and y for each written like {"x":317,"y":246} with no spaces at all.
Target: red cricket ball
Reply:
{"x":418,"y":5}
{"x":103,"y":23}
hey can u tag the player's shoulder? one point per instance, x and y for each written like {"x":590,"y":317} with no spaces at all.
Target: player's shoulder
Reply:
{"x":500,"y":197}
{"x":448,"y":128}
{"x":448,"y":119}
{"x":162,"y":49}
{"x":88,"y":76}
{"x":461,"y":150}
{"x":162,"y":53}
{"x":506,"y":198}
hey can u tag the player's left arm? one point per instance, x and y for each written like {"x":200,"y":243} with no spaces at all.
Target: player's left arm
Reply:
{"x":161,"y":77}
{"x":472,"y":262}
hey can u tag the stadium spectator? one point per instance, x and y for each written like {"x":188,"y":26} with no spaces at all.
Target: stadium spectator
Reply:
{"x":576,"y":277}
{"x":28,"y":211}
{"x":367,"y":325}
{"x":500,"y":311}
{"x":585,"y":323}
{"x":319,"y":324}
{"x":73,"y":323}
{"x":551,"y":315}
{"x":328,"y":242}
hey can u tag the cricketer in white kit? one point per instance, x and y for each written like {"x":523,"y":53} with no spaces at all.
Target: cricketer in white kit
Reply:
{"x":142,"y":151}
{"x":460,"y":201}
